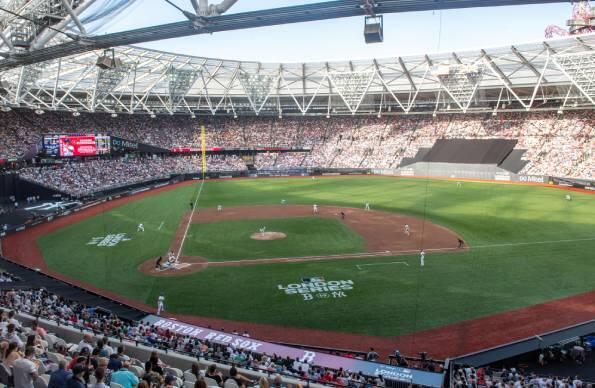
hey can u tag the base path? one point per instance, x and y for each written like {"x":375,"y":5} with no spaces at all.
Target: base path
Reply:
{"x":447,"y":341}
{"x":384,"y":233}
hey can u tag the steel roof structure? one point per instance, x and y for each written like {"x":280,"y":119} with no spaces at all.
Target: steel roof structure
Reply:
{"x":82,"y":43}
{"x":555,"y":74}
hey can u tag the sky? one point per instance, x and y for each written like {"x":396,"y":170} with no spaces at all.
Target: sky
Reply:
{"x":342,"y":39}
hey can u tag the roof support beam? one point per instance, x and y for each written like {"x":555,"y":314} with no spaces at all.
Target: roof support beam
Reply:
{"x":277,"y":16}
{"x":529,"y":65}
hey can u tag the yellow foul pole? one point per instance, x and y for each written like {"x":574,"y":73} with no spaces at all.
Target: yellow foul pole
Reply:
{"x":203,"y":137}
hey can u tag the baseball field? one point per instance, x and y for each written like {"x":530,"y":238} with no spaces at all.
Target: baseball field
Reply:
{"x":357,"y":273}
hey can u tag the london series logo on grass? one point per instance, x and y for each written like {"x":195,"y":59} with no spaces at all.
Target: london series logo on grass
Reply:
{"x":111,"y":240}
{"x":318,"y":288}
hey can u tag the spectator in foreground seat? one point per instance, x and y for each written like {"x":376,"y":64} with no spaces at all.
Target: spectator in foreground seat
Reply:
{"x":59,"y":377}
{"x":24,"y":369}
{"x":124,"y":377}
{"x":214,"y":374}
{"x":240,"y":380}
{"x":76,"y":380}
{"x":100,"y":377}
{"x":11,"y":355}
{"x":154,"y":364}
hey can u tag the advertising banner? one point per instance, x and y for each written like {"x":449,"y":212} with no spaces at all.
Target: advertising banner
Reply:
{"x":396,"y":373}
{"x":77,"y":146}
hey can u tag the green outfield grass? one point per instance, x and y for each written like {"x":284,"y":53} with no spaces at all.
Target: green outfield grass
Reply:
{"x":306,"y":236}
{"x":529,"y":245}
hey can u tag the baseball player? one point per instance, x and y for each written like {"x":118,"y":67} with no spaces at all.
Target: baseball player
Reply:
{"x":263,"y":230}
{"x":283,"y":202}
{"x":367,"y":206}
{"x":342,"y":215}
{"x":315,"y":209}
{"x":140,"y":228}
{"x":407,"y":229}
{"x":461,"y":244}
{"x":422,"y":258}
{"x":160,"y":306}
{"x":459,"y":185}
{"x":219,"y":208}
{"x":568,"y":197}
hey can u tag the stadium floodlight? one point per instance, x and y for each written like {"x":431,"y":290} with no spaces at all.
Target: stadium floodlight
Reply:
{"x":114,"y":115}
{"x":76,"y":113}
{"x":153,"y":115}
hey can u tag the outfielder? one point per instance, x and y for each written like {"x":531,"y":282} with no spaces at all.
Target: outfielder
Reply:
{"x":219,"y":208}
{"x":367,"y":206}
{"x":568,"y":197}
{"x":140,"y":228}
{"x":315,"y":209}
{"x":422,"y":258}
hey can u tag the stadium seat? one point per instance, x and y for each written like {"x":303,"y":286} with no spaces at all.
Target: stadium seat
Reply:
{"x":173,"y":371}
{"x":41,"y":382}
{"x":189,"y":377}
{"x":210,"y":382}
{"x":137,"y":370}
{"x":229,"y":383}
{"x":54,"y":357}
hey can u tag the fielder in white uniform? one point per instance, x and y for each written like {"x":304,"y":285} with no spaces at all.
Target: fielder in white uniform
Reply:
{"x":315,"y":209}
{"x":368,"y":206}
{"x":160,"y":306}
{"x":422,"y":258}
{"x":219,"y":208}
{"x":407,"y":230}
{"x":140,"y":228}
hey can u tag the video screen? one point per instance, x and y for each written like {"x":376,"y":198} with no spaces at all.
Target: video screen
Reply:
{"x":67,"y":146}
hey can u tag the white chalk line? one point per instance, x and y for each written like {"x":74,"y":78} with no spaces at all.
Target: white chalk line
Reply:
{"x":534,"y":243}
{"x":190,"y":219}
{"x":375,"y":264}
{"x":386,"y":253}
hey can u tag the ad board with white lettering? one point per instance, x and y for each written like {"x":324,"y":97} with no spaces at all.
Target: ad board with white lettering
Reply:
{"x":408,"y":375}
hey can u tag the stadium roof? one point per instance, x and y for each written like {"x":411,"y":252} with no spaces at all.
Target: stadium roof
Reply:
{"x":553,"y":74}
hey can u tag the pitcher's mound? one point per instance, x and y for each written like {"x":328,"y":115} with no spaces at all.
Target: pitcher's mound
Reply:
{"x":268,"y":236}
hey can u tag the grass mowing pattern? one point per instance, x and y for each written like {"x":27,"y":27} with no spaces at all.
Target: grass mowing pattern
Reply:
{"x":306,"y":236}
{"x":387,"y":300}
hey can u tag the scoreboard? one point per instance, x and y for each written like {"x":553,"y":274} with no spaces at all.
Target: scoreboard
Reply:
{"x":66,"y":146}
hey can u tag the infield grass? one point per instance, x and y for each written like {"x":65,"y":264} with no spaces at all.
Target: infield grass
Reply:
{"x":528,"y":245}
{"x":306,"y":236}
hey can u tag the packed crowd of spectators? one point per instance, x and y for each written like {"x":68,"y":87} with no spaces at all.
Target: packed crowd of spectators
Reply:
{"x":84,"y":178}
{"x":93,"y":355}
{"x":558,"y":145}
{"x":469,"y":377}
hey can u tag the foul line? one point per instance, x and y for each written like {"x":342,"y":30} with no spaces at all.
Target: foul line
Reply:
{"x":190,"y":219}
{"x":370,"y":265}
{"x":377,"y":254}
{"x":533,"y":243}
